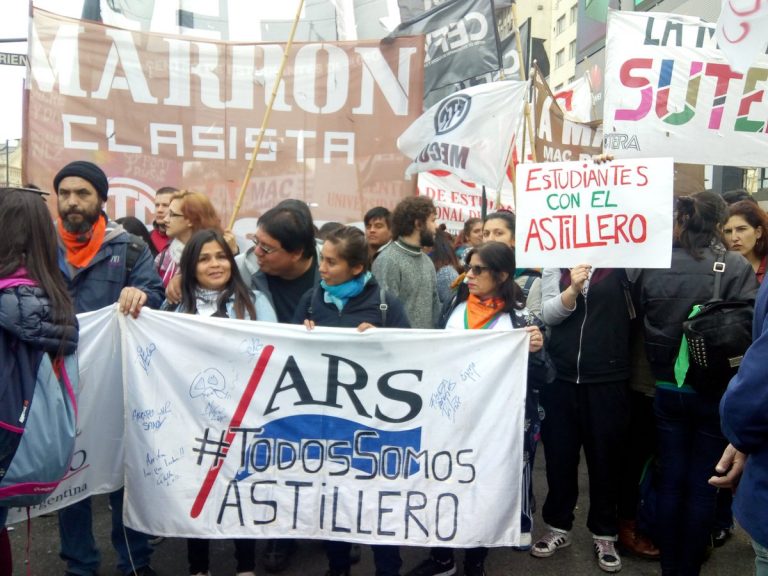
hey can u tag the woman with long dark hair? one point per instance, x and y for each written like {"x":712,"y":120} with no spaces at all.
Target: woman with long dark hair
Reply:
{"x":36,"y":309}
{"x":212,"y":286}
{"x":688,"y":423}
{"x":447,"y":267}
{"x":488,"y":299}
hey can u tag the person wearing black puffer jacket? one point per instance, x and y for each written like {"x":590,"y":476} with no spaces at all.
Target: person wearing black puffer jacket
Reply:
{"x":36,"y":310}
{"x":349,"y":297}
{"x":690,"y":441}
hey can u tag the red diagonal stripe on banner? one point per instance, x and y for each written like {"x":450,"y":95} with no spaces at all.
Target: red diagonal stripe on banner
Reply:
{"x":237,"y":419}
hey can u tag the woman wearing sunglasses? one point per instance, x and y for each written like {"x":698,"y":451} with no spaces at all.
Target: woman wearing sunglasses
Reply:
{"x":488,"y":299}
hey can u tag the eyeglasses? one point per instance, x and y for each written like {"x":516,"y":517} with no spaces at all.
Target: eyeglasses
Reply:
{"x":476,"y":270}
{"x":172,"y":214}
{"x":264,"y":247}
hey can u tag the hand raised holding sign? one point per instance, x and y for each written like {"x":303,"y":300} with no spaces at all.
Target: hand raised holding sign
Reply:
{"x":579,"y":275}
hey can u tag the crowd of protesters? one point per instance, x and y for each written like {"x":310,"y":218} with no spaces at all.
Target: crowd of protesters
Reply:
{"x":593,"y":335}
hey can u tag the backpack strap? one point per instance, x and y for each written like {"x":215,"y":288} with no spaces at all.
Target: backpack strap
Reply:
{"x":135,"y":247}
{"x":528,"y":285}
{"x":310,"y":309}
{"x":383,"y":306}
{"x":718,"y":268}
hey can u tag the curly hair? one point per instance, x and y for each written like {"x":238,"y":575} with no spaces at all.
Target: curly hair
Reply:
{"x":409,"y":212}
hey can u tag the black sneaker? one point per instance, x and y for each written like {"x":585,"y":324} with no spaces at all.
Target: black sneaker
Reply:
{"x":143,"y":571}
{"x":277,"y":554}
{"x":431,"y":567}
{"x":720,"y":537}
{"x":355,"y":553}
{"x":337,"y":573}
{"x":474,"y":569}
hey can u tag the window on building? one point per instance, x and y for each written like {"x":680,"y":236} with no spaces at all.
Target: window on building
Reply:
{"x":558,"y":87}
{"x":572,"y":79}
{"x":560,"y":26}
{"x":572,"y":50}
{"x":560,"y":58}
{"x":574,"y":13}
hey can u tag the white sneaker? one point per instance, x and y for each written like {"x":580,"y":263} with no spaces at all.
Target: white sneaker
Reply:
{"x":607,"y":557}
{"x":550,"y":543}
{"x":249,"y":573}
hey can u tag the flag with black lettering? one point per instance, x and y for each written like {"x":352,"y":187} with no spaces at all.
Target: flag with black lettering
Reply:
{"x":469,"y":133}
{"x":461,"y":41}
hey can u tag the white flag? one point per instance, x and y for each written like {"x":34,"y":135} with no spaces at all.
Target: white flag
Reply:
{"x":468,"y":133}
{"x":575,"y":99}
{"x":741,"y":32}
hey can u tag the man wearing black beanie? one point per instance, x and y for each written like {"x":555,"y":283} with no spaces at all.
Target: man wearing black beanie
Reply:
{"x":103,"y":264}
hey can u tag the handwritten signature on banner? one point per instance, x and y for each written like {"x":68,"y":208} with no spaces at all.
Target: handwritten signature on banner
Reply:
{"x":151,"y":419}
{"x":145,"y":356}
{"x":446,"y":399}
{"x":159,"y":466}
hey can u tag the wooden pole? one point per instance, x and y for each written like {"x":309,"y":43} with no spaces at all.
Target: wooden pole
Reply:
{"x":265,"y":121}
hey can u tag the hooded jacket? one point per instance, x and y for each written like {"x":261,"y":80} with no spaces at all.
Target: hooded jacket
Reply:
{"x":100,"y":282}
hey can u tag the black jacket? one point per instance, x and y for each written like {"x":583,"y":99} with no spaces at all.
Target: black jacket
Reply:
{"x":592,"y":344}
{"x":667,"y":295}
{"x":25,"y":313}
{"x":362,"y":308}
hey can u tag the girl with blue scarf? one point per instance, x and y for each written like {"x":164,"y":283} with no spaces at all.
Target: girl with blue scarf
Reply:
{"x":348,"y":296}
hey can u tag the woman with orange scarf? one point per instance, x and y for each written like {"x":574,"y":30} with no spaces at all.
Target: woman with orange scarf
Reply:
{"x":488,"y":299}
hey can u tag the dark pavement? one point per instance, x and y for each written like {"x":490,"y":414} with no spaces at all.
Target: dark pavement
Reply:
{"x":736,"y":558}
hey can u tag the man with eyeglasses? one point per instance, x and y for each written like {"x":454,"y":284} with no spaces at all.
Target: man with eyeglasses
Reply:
{"x":283,"y":262}
{"x":283,"y":265}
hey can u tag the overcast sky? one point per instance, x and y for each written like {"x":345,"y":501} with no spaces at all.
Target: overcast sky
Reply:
{"x":14,"y":23}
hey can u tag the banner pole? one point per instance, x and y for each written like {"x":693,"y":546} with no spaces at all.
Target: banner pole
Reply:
{"x":529,"y":123}
{"x":518,"y":44}
{"x":265,"y":121}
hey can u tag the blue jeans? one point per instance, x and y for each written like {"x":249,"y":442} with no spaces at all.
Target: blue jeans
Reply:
{"x":78,"y":547}
{"x":761,"y":559}
{"x":690,"y":444}
{"x":3,"y":517}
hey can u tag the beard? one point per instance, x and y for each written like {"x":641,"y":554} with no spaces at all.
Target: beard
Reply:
{"x":426,"y":238}
{"x":89,"y":218}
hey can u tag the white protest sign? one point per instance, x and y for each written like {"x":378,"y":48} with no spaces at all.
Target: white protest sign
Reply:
{"x":612,"y":215}
{"x":238,"y":428}
{"x":97,"y":464}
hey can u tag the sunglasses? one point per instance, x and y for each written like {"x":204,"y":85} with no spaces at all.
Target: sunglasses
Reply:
{"x":476,"y":270}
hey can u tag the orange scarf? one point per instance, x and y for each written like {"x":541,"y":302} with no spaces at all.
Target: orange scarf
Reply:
{"x":481,"y":313}
{"x":81,"y":248}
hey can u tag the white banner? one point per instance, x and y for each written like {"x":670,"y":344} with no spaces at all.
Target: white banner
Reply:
{"x":97,"y":464}
{"x":457,"y":201}
{"x":469,"y":133}
{"x":612,"y":215}
{"x":672,"y":93}
{"x":238,"y":428}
